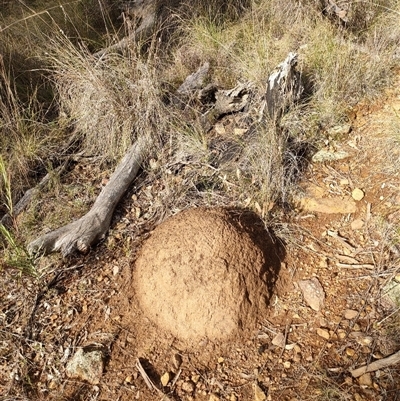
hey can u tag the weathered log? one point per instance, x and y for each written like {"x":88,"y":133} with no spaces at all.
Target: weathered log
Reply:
{"x":283,"y":88}
{"x":227,"y":101}
{"x":376,"y":365}
{"x":194,"y":81}
{"x":92,"y":227}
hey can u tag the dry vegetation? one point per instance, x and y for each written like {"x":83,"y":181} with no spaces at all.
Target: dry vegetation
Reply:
{"x":58,"y":102}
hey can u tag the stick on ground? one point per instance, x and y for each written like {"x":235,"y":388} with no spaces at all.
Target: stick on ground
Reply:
{"x":376,"y":365}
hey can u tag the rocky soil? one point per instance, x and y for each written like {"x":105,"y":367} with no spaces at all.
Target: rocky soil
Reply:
{"x":84,"y":335}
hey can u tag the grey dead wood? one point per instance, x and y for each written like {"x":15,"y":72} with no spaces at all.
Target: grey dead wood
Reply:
{"x":226,"y":102}
{"x":93,"y":226}
{"x":376,"y":365}
{"x":283,"y":88}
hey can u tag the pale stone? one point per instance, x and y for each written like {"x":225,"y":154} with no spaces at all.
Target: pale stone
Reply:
{"x":340,"y":129}
{"x":328,"y":205}
{"x":313,"y":293}
{"x":188,"y":387}
{"x":220,"y":129}
{"x":327,"y":155}
{"x":350,"y":314}
{"x":357,"y":194}
{"x":357,"y":224}
{"x":165,"y":378}
{"x":279,"y":340}
{"x":365,"y":380}
{"x":323,"y":333}
{"x":86,"y":365}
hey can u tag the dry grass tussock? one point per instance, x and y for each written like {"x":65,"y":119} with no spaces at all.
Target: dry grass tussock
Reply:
{"x":108,"y":101}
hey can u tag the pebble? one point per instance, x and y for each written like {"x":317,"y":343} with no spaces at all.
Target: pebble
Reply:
{"x":350,"y":314}
{"x":279,"y":340}
{"x":87,"y":366}
{"x":323,"y":333}
{"x":357,"y":194}
{"x":357,"y":224}
{"x":286,"y":364}
{"x":188,"y":387}
{"x":214,"y":397}
{"x":365,"y":380}
{"x":165,"y":378}
{"x":177,"y":361}
{"x":329,"y":205}
{"x":313,"y":293}
{"x":361,"y":338}
{"x":350,"y":352}
{"x":259,"y":394}
{"x":340,"y":129}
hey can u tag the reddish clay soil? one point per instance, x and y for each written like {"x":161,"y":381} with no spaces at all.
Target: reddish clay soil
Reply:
{"x":285,"y":351}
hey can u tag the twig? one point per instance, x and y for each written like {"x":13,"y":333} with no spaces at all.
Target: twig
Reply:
{"x":360,"y":266}
{"x":376,"y":365}
{"x":146,"y":378}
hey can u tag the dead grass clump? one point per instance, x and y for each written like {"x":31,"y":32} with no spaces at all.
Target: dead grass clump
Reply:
{"x":108,"y":101}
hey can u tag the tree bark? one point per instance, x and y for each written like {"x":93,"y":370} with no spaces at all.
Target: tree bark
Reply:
{"x":92,"y":227}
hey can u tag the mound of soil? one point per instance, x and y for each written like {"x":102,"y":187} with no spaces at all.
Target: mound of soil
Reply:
{"x":206,"y":273}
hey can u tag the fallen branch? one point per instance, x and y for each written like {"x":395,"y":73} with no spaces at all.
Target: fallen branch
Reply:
{"x":24,"y":202}
{"x":92,"y":227}
{"x":376,"y":365}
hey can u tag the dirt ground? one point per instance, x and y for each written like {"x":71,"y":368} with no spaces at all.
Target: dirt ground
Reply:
{"x":293,"y":353}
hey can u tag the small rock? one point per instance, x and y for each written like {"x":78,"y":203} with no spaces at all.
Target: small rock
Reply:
{"x":357,"y":224}
{"x":350,"y":352}
{"x":239,"y":131}
{"x":188,"y":387}
{"x":220,"y":129}
{"x":165,"y":378}
{"x":358,"y":397}
{"x":313,"y":293}
{"x":177,"y":361}
{"x":343,"y":182}
{"x":323,"y":333}
{"x":357,"y":194}
{"x":286,"y":364}
{"x":86,"y":365}
{"x":327,"y":155}
{"x":350,"y":314}
{"x":214,"y":397}
{"x":259,"y":394}
{"x":328,"y":205}
{"x":279,"y":340}
{"x":365,"y":380}
{"x":361,"y":338}
{"x":340,"y":130}
{"x":221,"y":359}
